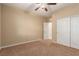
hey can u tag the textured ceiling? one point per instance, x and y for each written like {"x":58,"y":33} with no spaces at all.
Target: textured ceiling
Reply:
{"x":30,"y":7}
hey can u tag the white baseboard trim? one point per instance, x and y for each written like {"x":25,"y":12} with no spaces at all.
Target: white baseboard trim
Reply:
{"x":67,"y":46}
{"x":18,"y":44}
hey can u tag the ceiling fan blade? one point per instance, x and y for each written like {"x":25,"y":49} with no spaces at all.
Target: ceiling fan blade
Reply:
{"x":37,"y":8}
{"x":46,"y":9}
{"x":51,"y":3}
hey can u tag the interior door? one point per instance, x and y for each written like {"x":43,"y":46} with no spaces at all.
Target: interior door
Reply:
{"x":75,"y":31}
{"x":47,"y":30}
{"x":63,"y":31}
{"x":50,"y":30}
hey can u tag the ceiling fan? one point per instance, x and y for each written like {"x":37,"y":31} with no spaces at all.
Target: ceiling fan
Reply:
{"x":44,"y":7}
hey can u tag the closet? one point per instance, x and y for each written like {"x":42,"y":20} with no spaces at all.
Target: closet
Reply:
{"x":68,"y":31}
{"x":63,"y":31}
{"x":75,"y":31}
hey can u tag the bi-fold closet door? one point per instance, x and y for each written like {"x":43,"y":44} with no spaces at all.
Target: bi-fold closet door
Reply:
{"x":75,"y":31}
{"x":68,"y":31}
{"x":63,"y":31}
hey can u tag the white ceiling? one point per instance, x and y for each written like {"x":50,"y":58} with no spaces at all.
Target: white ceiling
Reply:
{"x":31,"y":8}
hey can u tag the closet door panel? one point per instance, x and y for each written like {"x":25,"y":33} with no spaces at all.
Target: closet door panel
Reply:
{"x":63,"y":31}
{"x":75,"y":32}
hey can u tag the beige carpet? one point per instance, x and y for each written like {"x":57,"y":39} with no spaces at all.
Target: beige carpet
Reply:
{"x":39,"y":48}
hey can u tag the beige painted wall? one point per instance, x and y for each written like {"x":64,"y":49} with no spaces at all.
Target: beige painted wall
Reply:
{"x":63,"y":12}
{"x":0,"y":25}
{"x":73,"y":9}
{"x":20,"y":26}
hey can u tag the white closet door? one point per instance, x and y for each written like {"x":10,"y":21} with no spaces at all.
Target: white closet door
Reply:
{"x":75,"y":31}
{"x":63,"y":31}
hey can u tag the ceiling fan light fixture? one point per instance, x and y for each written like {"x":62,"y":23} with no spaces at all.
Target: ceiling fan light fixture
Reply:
{"x":44,"y":6}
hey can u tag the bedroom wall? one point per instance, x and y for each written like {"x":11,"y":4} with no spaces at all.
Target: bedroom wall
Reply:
{"x":0,"y":25}
{"x":73,"y":9}
{"x":20,"y":26}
